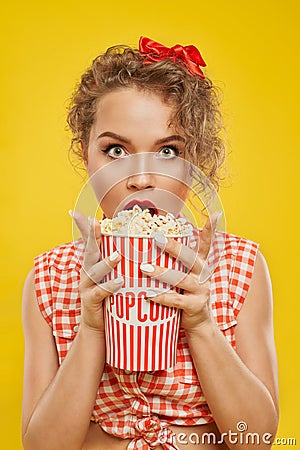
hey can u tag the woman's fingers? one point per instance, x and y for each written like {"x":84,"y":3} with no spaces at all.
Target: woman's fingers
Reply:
{"x":94,"y":269}
{"x":182,"y":280}
{"x":185,"y":254}
{"x":171,"y":298}
{"x":81,"y":222}
{"x":83,"y":226}
{"x":92,"y":249}
{"x":207,"y":234}
{"x":95,"y":273}
{"x":101,"y":291}
{"x":193,"y":259}
{"x":195,"y":308}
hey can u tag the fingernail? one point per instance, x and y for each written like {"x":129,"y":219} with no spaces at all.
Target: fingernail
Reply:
{"x":146,"y":267}
{"x":118,"y":280}
{"x":151,"y":294}
{"x":90,"y":222}
{"x":219,"y":215}
{"x":75,"y":215}
{"x":71,"y":213}
{"x":114,"y":256}
{"x":160,"y":238}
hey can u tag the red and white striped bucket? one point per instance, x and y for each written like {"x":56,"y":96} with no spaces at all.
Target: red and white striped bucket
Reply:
{"x":140,"y":335}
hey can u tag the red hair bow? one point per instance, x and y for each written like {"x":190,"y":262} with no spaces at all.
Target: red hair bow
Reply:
{"x":189,"y":55}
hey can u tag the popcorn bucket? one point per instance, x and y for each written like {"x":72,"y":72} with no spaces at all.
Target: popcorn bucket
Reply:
{"x":140,"y":335}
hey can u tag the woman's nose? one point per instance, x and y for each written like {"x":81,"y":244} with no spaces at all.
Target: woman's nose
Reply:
{"x":141,"y":181}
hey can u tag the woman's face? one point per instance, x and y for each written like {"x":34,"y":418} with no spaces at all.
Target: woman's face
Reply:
{"x":135,"y":154}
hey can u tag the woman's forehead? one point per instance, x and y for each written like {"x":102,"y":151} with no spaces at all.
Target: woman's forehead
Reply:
{"x":130,"y":111}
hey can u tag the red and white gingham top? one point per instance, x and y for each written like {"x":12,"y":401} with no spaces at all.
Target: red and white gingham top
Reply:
{"x":140,"y":405}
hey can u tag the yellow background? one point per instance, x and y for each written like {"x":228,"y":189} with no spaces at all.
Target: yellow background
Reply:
{"x":251,"y":49}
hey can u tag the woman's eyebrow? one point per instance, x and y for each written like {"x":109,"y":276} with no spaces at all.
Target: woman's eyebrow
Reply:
{"x":174,"y":137}
{"x":114,"y":136}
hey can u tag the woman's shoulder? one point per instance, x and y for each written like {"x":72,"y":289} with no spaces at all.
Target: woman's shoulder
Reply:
{"x":233,"y":241}
{"x":240,"y":256}
{"x":64,"y":256}
{"x":231,"y":247}
{"x":227,"y":240}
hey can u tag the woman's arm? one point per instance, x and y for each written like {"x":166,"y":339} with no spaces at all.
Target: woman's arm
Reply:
{"x":238,"y":386}
{"x":241,"y":386}
{"x":58,"y":401}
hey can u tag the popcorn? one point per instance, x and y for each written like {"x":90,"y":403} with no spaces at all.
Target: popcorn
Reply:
{"x":138,"y":222}
{"x":145,"y":325}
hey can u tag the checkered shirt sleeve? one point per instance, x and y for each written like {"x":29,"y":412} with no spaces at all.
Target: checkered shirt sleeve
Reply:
{"x":42,"y":284}
{"x":241,"y":272}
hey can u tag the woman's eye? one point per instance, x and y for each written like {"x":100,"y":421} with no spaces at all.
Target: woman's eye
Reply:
{"x":114,"y":151}
{"x":169,"y":152}
{"x":117,"y":151}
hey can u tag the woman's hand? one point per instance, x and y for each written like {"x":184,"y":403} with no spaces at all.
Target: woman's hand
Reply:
{"x":194,"y":302}
{"x":93,"y":293}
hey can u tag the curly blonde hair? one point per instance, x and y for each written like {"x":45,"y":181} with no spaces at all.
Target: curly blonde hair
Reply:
{"x":195,"y":101}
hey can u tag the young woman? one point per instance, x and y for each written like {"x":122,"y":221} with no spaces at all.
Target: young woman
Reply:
{"x":130,"y":103}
